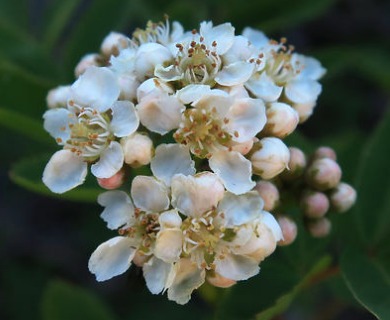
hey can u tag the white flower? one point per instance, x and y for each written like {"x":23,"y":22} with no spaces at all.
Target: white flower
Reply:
{"x":89,"y":60}
{"x":271,"y":158}
{"x":89,"y":134}
{"x":58,"y":97}
{"x":113,"y":43}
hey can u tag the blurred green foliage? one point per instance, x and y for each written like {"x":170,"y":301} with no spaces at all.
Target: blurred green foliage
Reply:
{"x":43,"y":240}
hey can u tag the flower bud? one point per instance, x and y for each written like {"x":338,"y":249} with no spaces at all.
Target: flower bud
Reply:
{"x":89,"y":60}
{"x":113,"y":43}
{"x":343,"y":197}
{"x":304,"y":110}
{"x":281,"y":120}
{"x":319,"y":228}
{"x":325,"y":152}
{"x":323,"y":174}
{"x":219,"y":281}
{"x":58,"y":97}
{"x":289,"y":230}
{"x":269,"y":193}
{"x":138,"y":149}
{"x":113,"y":182}
{"x":271,"y":158}
{"x":314,"y":204}
{"x":296,"y":165}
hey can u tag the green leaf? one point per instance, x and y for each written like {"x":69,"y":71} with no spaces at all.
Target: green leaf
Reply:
{"x":25,"y":126}
{"x":64,"y":301}
{"x":373,"y":186}
{"x":368,"y":282}
{"x":284,"y":301}
{"x":28,"y":174}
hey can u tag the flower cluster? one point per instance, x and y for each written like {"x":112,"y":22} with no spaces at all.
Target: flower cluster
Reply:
{"x":206,"y":111}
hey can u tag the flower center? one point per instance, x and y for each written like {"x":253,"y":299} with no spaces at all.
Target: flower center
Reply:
{"x":198,"y":64}
{"x":143,"y":231}
{"x":90,"y":135}
{"x":202,"y":131}
{"x":201,"y":236}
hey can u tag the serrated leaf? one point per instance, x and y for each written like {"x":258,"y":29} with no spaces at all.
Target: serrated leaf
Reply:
{"x":24,"y":125}
{"x":64,"y":301}
{"x":284,"y":301}
{"x":368,"y":282}
{"x":28,"y":174}
{"x":373,"y":186}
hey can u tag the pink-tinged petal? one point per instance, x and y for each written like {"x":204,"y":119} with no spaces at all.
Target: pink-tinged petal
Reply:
{"x":149,"y":194}
{"x":110,"y":162}
{"x":234,"y":170}
{"x":124,"y":118}
{"x":111,"y":258}
{"x":118,"y":211}
{"x":195,"y":195}
{"x":64,"y":171}
{"x":236,"y":267}
{"x":97,"y":88}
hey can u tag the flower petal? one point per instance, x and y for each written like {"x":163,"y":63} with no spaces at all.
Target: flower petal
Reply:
{"x":111,"y":258}
{"x":149,"y":194}
{"x":236,"y":267}
{"x":247,"y":117}
{"x":194,"y":196}
{"x":263,"y":87}
{"x":156,"y":274}
{"x":184,"y":278}
{"x":169,"y":245}
{"x":303,"y":90}
{"x":170,"y":219}
{"x":222,"y":34}
{"x":256,"y":37}
{"x":269,"y":220}
{"x":234,"y":170}
{"x":56,"y":122}
{"x":192,"y":92}
{"x":171,"y":159}
{"x":64,"y":171}
{"x":118,"y":210}
{"x":111,"y":161}
{"x":170,"y":73}
{"x":240,"y":209}
{"x":97,"y":88}
{"x":235,"y":73}
{"x":124,"y":118}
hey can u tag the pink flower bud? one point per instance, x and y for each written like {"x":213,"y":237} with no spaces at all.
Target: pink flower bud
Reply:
{"x":113,"y":182}
{"x":271,"y":158}
{"x":219,"y":281}
{"x":343,"y":197}
{"x":314,"y":204}
{"x":323,"y":174}
{"x":113,"y":43}
{"x":269,"y":193}
{"x":296,"y":165}
{"x":89,"y":60}
{"x":138,"y":149}
{"x":289,"y":230}
{"x":304,"y":110}
{"x":325,"y":152}
{"x":281,"y":120}
{"x":319,"y":228}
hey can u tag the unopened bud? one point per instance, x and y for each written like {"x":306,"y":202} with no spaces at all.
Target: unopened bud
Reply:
{"x":269,"y":193}
{"x":89,"y":60}
{"x":323,"y":174}
{"x":314,"y":204}
{"x":343,"y":197}
{"x":138,"y":149}
{"x":281,"y":120}
{"x":296,"y":165}
{"x":219,"y":281}
{"x":113,"y":43}
{"x":271,"y":158}
{"x":304,"y":110}
{"x":289,"y":230}
{"x":325,"y":152}
{"x":319,"y":228}
{"x":113,"y":182}
{"x":58,"y":97}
